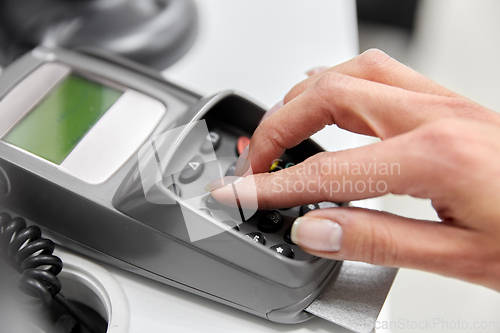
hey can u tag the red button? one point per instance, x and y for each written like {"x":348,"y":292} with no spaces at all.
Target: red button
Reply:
{"x":243,"y":142}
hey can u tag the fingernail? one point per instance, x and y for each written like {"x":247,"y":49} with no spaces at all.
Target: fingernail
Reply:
{"x":216,"y":184}
{"x":317,"y":234}
{"x":316,"y":70}
{"x":242,"y":164}
{"x":272,"y":110}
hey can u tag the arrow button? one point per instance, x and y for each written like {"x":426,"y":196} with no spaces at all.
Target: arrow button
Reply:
{"x":211,"y":143}
{"x":192,"y":171}
{"x":194,"y":165}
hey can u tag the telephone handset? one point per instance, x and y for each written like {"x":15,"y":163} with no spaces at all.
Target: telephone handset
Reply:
{"x":111,"y":160}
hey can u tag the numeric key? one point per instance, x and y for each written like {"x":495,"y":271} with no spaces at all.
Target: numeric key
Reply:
{"x":270,"y":222}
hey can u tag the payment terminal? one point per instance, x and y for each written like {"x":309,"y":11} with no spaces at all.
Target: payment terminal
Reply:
{"x":110,"y":160}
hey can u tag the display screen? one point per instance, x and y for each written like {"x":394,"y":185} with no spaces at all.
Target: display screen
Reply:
{"x":58,"y":123}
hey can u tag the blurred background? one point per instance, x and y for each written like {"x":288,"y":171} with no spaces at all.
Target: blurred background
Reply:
{"x":453,"y":42}
{"x":263,"y":48}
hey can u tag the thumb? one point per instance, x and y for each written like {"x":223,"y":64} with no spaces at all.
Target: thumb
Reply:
{"x":384,"y":239}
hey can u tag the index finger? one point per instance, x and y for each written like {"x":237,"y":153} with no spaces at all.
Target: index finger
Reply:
{"x":413,"y":163}
{"x":352,"y":174}
{"x":374,"y":65}
{"x":357,"y":105}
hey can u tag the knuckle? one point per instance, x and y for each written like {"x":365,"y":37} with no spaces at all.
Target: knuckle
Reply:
{"x":438,"y":132}
{"x":275,"y":138}
{"x":375,"y":61}
{"x":319,"y":167}
{"x":462,"y":107}
{"x":320,"y":158}
{"x":330,"y":86}
{"x":448,"y":138}
{"x":449,"y":149}
{"x":298,"y":89}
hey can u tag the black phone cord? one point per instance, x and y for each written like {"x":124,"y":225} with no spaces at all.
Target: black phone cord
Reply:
{"x":31,"y":255}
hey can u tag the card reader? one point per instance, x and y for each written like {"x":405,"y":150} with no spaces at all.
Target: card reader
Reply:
{"x":110,"y":160}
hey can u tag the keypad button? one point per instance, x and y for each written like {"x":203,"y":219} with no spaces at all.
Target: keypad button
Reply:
{"x":327,"y":204}
{"x":271,"y":221}
{"x":288,"y":237}
{"x":176,"y":189}
{"x":212,"y":203}
{"x":283,"y":249}
{"x":230,"y":170}
{"x":211,"y":143}
{"x":206,"y":211}
{"x":307,"y":208}
{"x":257,"y":237}
{"x":192,"y":171}
{"x":241,"y":144}
{"x":232,"y":224}
{"x":275,"y":166}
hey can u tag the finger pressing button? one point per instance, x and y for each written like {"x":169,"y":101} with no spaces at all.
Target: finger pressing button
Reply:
{"x":212,"y":203}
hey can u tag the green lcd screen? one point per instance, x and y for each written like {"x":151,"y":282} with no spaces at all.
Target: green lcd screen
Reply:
{"x":58,"y":123}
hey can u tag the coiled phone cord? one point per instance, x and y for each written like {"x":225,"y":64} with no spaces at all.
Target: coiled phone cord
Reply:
{"x":31,"y":255}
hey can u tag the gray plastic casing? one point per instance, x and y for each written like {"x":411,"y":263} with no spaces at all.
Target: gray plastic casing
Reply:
{"x":114,"y":223}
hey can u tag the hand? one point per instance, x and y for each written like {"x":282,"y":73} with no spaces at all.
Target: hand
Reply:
{"x":435,"y":144}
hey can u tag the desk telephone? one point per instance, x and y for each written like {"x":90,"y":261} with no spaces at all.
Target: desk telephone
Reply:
{"x":81,"y":132}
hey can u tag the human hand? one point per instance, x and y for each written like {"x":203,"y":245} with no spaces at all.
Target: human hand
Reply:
{"x":435,"y":144}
